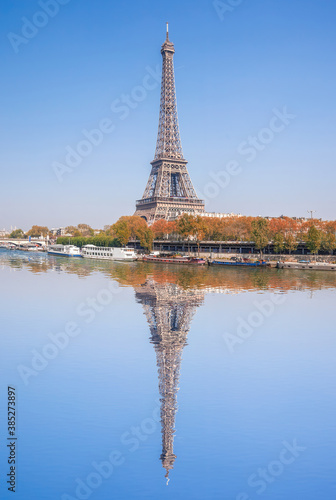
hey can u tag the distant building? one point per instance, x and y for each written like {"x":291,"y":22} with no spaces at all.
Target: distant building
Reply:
{"x":298,"y":219}
{"x":213,"y":215}
{"x":60,"y":231}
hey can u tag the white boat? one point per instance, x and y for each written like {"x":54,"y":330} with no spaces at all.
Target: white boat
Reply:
{"x":65,"y":250}
{"x":108,"y":253}
{"x":34,"y":249}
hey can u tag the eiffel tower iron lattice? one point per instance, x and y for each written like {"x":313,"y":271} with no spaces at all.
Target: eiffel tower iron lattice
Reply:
{"x":169,"y":191}
{"x":169,"y":310}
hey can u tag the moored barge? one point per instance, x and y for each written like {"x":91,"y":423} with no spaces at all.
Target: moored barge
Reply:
{"x":174,"y":260}
{"x":312,"y":266}
{"x":240,"y":263}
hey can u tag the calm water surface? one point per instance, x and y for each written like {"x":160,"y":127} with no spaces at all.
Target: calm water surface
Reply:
{"x":161,"y":382}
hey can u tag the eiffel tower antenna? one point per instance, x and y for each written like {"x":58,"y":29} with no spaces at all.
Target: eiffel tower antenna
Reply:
{"x":169,"y":191}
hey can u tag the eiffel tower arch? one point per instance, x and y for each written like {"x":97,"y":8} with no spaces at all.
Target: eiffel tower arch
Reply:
{"x":169,"y":310}
{"x":169,"y":191}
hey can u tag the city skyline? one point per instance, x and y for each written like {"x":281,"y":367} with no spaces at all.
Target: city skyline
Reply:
{"x":237,"y":71}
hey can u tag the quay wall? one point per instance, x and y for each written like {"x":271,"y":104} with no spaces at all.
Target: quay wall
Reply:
{"x":228,"y":249}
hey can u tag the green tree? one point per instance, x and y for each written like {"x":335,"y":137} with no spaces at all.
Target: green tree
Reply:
{"x":260,"y":233}
{"x":80,"y":241}
{"x":17,"y":234}
{"x":290,"y":243}
{"x":278,"y":243}
{"x":146,"y":237}
{"x":314,"y":239}
{"x":328,"y":243}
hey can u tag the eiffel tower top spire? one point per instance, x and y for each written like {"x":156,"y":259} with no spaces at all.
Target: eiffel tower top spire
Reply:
{"x":168,"y":143}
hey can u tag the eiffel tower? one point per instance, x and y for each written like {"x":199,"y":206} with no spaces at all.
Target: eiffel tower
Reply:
{"x":169,"y":191}
{"x":169,"y":310}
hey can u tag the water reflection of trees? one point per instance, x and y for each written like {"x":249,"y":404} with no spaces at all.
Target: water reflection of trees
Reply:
{"x":211,"y":279}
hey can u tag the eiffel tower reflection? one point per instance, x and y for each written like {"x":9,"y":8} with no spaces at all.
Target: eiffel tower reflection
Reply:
{"x":169,"y":310}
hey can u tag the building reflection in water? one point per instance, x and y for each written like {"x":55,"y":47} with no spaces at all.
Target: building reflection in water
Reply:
{"x":169,"y":310}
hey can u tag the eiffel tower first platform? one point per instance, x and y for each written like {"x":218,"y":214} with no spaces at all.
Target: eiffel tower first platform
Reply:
{"x":169,"y":191}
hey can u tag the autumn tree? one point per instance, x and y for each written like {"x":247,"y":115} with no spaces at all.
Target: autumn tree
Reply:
{"x":162,"y":228}
{"x":199,"y":230}
{"x":85,"y":230}
{"x":301,"y":234}
{"x":72,"y":230}
{"x":191,"y":226}
{"x":283,"y":225}
{"x":121,"y":231}
{"x":133,"y":227}
{"x":330,"y":226}
{"x":284,"y":232}
{"x":238,"y":228}
{"x":186,"y":225}
{"x":213,"y":229}
{"x":37,"y":231}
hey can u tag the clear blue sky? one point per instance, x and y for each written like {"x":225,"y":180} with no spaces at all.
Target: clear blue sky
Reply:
{"x":231,"y":72}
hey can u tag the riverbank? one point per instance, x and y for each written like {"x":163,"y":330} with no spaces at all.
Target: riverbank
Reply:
{"x":271,"y":258}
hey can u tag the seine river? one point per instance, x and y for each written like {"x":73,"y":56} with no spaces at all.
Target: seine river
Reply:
{"x":149,"y":381}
